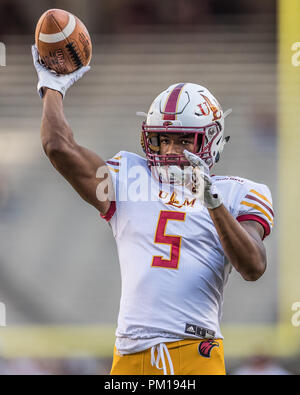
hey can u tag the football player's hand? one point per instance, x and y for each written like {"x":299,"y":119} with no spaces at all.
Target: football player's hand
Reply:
{"x":202,"y":181}
{"x":49,"y":79}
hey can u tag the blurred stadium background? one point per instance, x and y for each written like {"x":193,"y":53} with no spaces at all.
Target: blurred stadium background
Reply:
{"x":59,"y":273}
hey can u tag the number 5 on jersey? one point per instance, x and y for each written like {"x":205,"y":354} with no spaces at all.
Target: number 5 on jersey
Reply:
{"x":173,"y":241}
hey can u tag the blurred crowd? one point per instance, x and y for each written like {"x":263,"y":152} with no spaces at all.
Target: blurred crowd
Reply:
{"x":108,"y":16}
{"x":68,"y":366}
{"x":256,"y":365}
{"x":262,"y":365}
{"x":19,"y":17}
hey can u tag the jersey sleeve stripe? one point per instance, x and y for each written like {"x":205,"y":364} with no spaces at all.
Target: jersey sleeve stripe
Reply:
{"x":110,"y":213}
{"x":110,"y":162}
{"x":250,"y":197}
{"x":113,"y":169}
{"x":251,"y":217}
{"x":258,"y":208}
{"x":261,"y":196}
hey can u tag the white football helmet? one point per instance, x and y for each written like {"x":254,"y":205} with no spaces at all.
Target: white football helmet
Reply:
{"x":184,"y":108}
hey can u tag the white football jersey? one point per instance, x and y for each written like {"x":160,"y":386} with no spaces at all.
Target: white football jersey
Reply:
{"x":173,"y":267}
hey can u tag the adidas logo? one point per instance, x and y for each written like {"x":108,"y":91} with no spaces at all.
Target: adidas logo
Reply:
{"x":190,"y":329}
{"x":196,"y":330}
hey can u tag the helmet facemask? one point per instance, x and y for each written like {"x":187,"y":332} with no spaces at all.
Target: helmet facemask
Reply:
{"x":174,"y":168}
{"x":183,"y":109}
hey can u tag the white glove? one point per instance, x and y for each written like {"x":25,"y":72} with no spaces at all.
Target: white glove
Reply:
{"x":201,"y":174}
{"x":49,"y":79}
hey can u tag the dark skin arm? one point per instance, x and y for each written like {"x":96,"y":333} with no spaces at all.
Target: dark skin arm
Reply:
{"x":76,"y":164}
{"x":241,"y":242}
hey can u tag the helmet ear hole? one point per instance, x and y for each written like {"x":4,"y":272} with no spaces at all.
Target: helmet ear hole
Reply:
{"x":217,"y":157}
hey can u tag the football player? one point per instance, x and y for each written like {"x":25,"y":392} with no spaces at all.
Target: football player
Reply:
{"x":176,"y":248}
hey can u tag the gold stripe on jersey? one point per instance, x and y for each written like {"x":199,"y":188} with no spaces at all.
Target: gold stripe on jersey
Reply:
{"x":256,"y":207}
{"x":111,"y":168}
{"x":261,"y":196}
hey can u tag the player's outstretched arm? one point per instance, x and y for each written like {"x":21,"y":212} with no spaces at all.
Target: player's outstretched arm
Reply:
{"x":76,"y":164}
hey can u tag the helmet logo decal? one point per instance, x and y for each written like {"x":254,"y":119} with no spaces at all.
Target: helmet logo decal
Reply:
{"x":211,"y":107}
{"x":202,"y":109}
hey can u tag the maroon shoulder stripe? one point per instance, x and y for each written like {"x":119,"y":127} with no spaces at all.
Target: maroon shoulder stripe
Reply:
{"x":110,"y":162}
{"x":251,"y":197}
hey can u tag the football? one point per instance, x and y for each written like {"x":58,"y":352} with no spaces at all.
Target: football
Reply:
{"x":63,"y":41}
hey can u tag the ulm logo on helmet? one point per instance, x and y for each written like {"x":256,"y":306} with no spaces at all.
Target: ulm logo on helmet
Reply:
{"x":215,"y":109}
{"x":206,"y":347}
